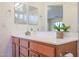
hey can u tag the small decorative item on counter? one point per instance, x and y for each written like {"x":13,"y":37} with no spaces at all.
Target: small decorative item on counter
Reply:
{"x":60,"y":27}
{"x":59,"y":34}
{"x":27,"y":33}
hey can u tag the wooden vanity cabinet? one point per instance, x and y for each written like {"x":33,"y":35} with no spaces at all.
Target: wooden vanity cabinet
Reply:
{"x":15,"y":47}
{"x":29,"y":48}
{"x":49,"y":50}
{"x":19,"y":47}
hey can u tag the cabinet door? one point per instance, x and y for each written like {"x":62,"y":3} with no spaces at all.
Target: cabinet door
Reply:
{"x":43,"y":49}
{"x":33,"y":54}
{"x":71,"y":47}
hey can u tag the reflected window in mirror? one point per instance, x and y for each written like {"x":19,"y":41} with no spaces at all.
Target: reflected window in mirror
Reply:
{"x":20,"y":13}
{"x":55,"y":14}
{"x":33,"y":15}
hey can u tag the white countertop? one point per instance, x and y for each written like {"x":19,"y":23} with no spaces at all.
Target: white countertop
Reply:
{"x":50,"y":38}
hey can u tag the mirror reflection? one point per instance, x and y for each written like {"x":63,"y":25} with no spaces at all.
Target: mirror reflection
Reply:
{"x":26,"y":14}
{"x":33,"y":15}
{"x":55,"y":14}
{"x":20,"y":13}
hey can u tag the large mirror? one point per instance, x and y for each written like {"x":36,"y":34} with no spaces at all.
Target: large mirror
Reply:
{"x":26,"y":14}
{"x":55,"y":14}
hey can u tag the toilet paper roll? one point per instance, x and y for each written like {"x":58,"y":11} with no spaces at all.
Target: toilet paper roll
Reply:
{"x":68,"y":55}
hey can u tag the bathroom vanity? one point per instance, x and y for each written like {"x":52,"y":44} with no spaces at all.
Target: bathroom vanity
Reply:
{"x":26,"y":46}
{"x":43,"y":44}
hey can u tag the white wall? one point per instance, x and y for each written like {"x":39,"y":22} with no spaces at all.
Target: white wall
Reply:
{"x":78,"y":31}
{"x":3,"y":28}
{"x":70,"y":16}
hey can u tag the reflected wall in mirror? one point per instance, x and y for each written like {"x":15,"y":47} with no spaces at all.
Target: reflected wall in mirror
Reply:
{"x":20,"y":13}
{"x":55,"y":14}
{"x":33,"y":15}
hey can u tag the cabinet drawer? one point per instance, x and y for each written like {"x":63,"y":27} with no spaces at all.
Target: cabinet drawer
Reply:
{"x":24,"y":51}
{"x":43,"y":49}
{"x":15,"y":40}
{"x":24,"y":43}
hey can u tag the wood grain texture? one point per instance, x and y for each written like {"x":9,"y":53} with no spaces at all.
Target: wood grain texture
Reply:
{"x":15,"y":40}
{"x":13,"y":50}
{"x":24,"y":43}
{"x":43,"y":49}
{"x":67,"y":48}
{"x":24,"y":51}
{"x":34,"y":54}
{"x":15,"y":46}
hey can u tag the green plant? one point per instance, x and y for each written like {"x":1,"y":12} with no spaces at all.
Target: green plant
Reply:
{"x":58,"y":28}
{"x":61,"y":27}
{"x":65,"y":28}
